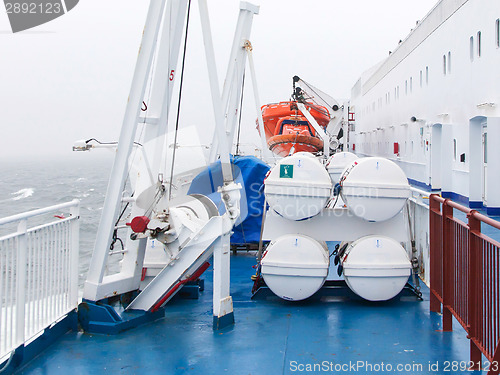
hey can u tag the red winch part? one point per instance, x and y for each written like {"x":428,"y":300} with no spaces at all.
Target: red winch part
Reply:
{"x":139,"y":224}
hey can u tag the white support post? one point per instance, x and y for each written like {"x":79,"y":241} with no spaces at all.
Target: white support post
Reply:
{"x":164,"y":78}
{"x":233,"y":111}
{"x":22,"y":247}
{"x":214,"y":87}
{"x":156,"y":128}
{"x":119,"y":171}
{"x":265,"y":151}
{"x":231,"y":92}
{"x":74,"y":255}
{"x":319,"y":129}
{"x":493,"y":172}
{"x":345,"y":125}
{"x":222,"y":301}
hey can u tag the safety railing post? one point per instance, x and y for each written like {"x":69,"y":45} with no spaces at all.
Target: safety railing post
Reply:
{"x":434,"y":209}
{"x":447,"y":212}
{"x":74,"y":254}
{"x":475,"y":301}
{"x":22,"y":247}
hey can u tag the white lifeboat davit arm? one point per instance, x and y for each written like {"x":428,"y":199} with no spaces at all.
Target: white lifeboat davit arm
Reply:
{"x":265,"y":151}
{"x":319,"y":129}
{"x":230,"y":191}
{"x":190,"y":239}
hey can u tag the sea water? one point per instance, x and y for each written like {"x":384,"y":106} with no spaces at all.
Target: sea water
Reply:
{"x":38,"y":183}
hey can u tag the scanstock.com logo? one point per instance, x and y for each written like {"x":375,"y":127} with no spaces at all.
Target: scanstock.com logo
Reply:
{"x":25,"y":14}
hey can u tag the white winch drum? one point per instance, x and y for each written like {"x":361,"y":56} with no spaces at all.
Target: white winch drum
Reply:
{"x":295,"y":266}
{"x":298,"y":187}
{"x":374,"y":189}
{"x":376,"y":268}
{"x":337,"y":163}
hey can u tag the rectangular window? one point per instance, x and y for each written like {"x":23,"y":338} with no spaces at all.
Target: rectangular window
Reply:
{"x":485,"y":147}
{"x":444,"y":64}
{"x":421,"y":81}
{"x":497,"y":32}
{"x":449,"y":62}
{"x":471,"y":48}
{"x":455,"y":149}
{"x":479,"y":44}
{"x":411,"y":84}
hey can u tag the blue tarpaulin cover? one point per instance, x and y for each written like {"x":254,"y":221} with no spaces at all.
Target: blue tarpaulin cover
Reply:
{"x":250,"y":173}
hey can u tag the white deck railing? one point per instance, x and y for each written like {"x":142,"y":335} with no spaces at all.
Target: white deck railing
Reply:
{"x":419,"y":214}
{"x":38,"y":274}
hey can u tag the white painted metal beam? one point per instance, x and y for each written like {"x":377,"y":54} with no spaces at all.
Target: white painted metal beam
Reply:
{"x":231,"y":93}
{"x":266,"y":153}
{"x":319,"y":129}
{"x":214,"y":88}
{"x":337,"y":224}
{"x":119,"y":170}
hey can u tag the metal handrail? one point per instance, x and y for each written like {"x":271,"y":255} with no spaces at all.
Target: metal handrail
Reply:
{"x":40,"y":211}
{"x":485,"y":219}
{"x":465,"y":276}
{"x":38,"y":274}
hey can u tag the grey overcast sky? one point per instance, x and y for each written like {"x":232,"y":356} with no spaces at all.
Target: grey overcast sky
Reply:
{"x":69,"y":79}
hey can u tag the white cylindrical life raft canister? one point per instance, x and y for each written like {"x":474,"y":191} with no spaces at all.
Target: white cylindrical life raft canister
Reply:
{"x":376,"y":268}
{"x":295,"y":266}
{"x":374,"y":189}
{"x":298,"y":187}
{"x":337,"y":163}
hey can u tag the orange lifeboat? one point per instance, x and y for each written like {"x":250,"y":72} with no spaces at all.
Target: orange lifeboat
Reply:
{"x":288,"y":131}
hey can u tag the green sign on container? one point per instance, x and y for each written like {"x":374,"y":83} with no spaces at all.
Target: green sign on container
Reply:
{"x":286,"y":171}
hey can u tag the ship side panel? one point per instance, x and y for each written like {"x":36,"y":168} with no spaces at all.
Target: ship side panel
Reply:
{"x":429,"y":103}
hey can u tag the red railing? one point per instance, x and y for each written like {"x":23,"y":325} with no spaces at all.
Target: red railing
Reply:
{"x":465,"y":277}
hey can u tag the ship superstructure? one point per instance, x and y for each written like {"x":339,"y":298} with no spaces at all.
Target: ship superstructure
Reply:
{"x":433,"y":105}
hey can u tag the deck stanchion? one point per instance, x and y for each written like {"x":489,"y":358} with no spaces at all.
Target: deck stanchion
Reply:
{"x":475,"y":299}
{"x":496,"y":359}
{"x":223,"y":314}
{"x":20,"y":304}
{"x":74,"y":254}
{"x":434,"y":212}
{"x":447,"y":212}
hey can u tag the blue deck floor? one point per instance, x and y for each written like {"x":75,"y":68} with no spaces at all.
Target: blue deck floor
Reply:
{"x":269,"y":337}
